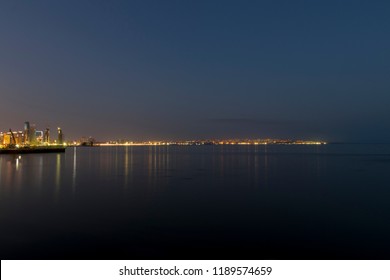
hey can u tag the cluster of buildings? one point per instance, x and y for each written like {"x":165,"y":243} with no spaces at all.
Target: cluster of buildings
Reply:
{"x":30,"y":136}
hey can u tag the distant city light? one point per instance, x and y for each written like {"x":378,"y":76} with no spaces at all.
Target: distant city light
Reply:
{"x":30,"y":137}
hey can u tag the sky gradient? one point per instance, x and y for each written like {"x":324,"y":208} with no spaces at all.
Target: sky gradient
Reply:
{"x":197,"y":69}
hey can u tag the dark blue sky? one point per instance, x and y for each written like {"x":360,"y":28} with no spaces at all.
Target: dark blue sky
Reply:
{"x":197,"y":69}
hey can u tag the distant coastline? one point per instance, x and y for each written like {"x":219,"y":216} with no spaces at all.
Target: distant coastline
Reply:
{"x":204,"y":142}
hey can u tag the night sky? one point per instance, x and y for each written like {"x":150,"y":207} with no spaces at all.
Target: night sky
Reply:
{"x":197,"y":69}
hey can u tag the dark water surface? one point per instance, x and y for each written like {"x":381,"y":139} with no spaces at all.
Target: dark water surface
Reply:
{"x":197,"y":202}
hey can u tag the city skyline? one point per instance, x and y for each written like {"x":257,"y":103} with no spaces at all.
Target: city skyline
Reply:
{"x":197,"y":70}
{"x":31,"y":135}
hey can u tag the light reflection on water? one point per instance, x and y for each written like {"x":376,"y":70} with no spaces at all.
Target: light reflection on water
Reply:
{"x":74,"y":173}
{"x":158,"y":200}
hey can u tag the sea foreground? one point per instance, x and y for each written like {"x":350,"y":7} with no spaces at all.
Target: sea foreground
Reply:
{"x":197,"y":202}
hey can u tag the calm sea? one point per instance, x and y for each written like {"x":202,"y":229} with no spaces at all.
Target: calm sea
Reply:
{"x":197,"y":202}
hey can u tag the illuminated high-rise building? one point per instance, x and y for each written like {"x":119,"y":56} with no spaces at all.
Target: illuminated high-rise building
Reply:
{"x":39,"y":136}
{"x":60,"y":136}
{"x":46,"y":136}
{"x":32,"y":135}
{"x":26,"y":132}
